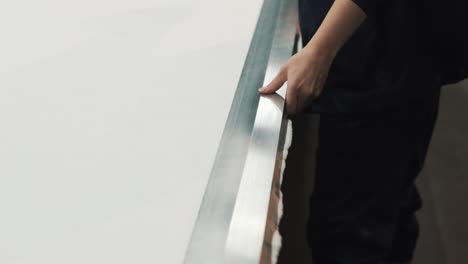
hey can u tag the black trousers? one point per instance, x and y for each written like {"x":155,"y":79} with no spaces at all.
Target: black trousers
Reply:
{"x":362,"y":210}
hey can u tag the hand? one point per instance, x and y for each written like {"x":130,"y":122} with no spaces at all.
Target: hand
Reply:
{"x":306,"y":73}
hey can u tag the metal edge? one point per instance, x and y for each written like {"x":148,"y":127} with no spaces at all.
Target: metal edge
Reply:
{"x":269,"y":246}
{"x":211,"y":227}
{"x":215,"y":219}
{"x":247,"y":230}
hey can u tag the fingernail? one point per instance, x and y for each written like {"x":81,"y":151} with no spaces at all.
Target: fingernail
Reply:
{"x":261,"y":89}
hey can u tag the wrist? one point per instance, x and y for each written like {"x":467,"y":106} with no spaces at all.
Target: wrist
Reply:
{"x":321,"y":50}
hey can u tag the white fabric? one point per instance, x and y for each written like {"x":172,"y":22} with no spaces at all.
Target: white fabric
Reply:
{"x":111,"y":112}
{"x":276,"y":242}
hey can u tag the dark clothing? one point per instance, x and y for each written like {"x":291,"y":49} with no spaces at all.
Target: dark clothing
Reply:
{"x":446,"y":29}
{"x":389,"y":61}
{"x":362,"y":208}
{"x":378,"y":110}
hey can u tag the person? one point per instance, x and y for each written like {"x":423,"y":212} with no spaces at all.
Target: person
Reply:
{"x":373,"y":70}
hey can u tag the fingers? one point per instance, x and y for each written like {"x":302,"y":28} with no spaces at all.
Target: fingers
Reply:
{"x":291,"y":98}
{"x":277,"y":82}
{"x":299,"y":96}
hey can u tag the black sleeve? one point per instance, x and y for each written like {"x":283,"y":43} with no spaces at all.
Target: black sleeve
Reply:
{"x":368,"y":6}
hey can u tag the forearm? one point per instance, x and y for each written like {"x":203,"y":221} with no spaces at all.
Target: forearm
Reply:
{"x":340,"y":23}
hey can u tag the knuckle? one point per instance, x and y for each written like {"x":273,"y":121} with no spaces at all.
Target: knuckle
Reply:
{"x":283,"y":69}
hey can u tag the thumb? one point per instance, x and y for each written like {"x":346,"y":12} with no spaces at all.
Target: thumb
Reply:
{"x":277,"y":82}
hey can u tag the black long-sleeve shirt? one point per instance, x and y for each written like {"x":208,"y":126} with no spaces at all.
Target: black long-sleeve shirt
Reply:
{"x":388,"y":63}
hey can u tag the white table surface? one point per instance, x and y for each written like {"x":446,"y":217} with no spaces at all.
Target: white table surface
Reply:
{"x":111,"y":112}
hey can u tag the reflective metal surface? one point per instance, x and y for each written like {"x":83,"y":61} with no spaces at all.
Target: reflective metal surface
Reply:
{"x":231,"y":222}
{"x":211,"y":228}
{"x":246,"y":232}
